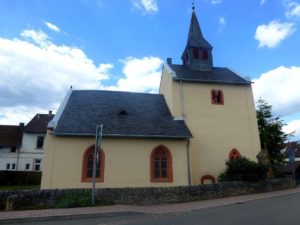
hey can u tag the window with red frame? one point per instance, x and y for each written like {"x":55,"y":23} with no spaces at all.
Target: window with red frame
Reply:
{"x":87,"y":165}
{"x":196,"y":53}
{"x":217,"y":97}
{"x":204,"y":54}
{"x":186,"y":57}
{"x":234,"y":154}
{"x":161,"y":165}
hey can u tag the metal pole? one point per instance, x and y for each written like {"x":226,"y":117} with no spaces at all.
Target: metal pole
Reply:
{"x":95,"y":159}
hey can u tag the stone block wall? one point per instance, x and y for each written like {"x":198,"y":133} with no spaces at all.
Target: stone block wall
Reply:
{"x":14,"y":200}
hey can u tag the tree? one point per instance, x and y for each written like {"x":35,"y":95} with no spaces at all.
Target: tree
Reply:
{"x":271,"y":135}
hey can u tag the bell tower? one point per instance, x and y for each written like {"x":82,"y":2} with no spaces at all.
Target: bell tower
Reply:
{"x":197,"y":54}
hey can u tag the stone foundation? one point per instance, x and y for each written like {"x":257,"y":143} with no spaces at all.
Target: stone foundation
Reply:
{"x":33,"y":199}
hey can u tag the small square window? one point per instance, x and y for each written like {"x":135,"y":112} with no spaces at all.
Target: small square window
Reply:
{"x":7,"y":166}
{"x":40,"y":142}
{"x":27,"y":166}
{"x":13,"y":149}
{"x":13,"y":166}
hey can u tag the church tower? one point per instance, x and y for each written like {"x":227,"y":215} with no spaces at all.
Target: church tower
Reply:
{"x":216,"y":104}
{"x":197,"y":54}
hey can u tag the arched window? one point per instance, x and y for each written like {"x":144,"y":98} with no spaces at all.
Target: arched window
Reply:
{"x":234,"y":154}
{"x":87,"y":165}
{"x":161,"y":165}
{"x":195,"y":53}
{"x":204,"y":55}
{"x":211,"y":179}
{"x":217,"y":97}
{"x":186,"y":57}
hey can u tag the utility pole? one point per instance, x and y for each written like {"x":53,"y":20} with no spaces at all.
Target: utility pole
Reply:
{"x":96,"y":159}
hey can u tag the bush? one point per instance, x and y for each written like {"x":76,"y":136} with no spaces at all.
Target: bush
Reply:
{"x":243,"y":169}
{"x":20,"y":178}
{"x":73,"y":198}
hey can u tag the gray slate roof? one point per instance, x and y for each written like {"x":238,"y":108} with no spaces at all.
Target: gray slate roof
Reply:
{"x":121,"y":113}
{"x":195,"y":37}
{"x":217,"y":75}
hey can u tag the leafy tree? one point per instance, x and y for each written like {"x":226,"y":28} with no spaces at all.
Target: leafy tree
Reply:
{"x":271,"y":135}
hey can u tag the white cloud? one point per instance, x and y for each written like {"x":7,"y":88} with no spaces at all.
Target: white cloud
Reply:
{"x":215,"y":2}
{"x":280,"y":88}
{"x":146,"y":6}
{"x":292,"y":8}
{"x":293,"y":127}
{"x":35,"y":74}
{"x":222,"y":23}
{"x":38,"y":37}
{"x":262,"y":2}
{"x":141,"y":75}
{"x":53,"y":27}
{"x":272,"y":34}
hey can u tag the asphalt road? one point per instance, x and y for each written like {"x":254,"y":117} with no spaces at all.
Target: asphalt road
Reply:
{"x":284,"y":210}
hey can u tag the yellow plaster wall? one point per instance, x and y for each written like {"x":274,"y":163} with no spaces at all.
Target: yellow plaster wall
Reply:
{"x":217,"y":129}
{"x":127,"y":162}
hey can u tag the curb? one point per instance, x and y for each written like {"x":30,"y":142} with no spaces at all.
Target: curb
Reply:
{"x":67,"y":217}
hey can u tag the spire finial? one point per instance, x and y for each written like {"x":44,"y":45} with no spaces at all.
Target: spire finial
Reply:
{"x":193,"y":6}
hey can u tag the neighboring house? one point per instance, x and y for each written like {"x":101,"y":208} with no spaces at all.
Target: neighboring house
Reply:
{"x":10,"y":144}
{"x":203,"y":116}
{"x":294,"y":148}
{"x":26,"y":149}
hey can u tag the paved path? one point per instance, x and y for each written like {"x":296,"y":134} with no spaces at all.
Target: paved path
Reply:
{"x":114,"y":210}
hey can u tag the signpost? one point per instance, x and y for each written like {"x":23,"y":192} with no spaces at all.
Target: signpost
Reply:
{"x":291,"y":155}
{"x":96,"y":158}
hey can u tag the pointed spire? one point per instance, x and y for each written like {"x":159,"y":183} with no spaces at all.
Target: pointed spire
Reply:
{"x":195,"y":37}
{"x":197,"y":54}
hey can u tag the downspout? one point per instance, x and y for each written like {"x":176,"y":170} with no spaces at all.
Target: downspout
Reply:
{"x":181,"y":100}
{"x":188,"y":161}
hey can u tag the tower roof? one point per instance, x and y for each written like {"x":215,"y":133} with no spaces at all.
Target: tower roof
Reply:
{"x":195,"y":37}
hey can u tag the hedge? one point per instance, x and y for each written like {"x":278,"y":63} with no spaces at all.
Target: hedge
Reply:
{"x":20,"y":178}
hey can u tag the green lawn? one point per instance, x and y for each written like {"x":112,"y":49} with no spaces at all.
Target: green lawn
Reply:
{"x":19,"y":187}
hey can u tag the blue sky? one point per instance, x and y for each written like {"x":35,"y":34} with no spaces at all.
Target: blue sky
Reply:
{"x":46,"y":46}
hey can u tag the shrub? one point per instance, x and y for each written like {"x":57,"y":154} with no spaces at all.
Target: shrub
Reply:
{"x":74,"y":199}
{"x":20,"y":178}
{"x":243,"y":169}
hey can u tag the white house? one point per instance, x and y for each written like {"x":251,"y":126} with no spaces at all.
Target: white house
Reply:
{"x":22,"y":148}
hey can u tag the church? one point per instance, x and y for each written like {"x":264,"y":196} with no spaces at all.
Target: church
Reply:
{"x":202,"y":117}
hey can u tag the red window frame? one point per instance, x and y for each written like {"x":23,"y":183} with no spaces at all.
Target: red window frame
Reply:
{"x":86,"y":160}
{"x":234,"y":154}
{"x":196,"y":53}
{"x":217,"y":97}
{"x":161,"y":169}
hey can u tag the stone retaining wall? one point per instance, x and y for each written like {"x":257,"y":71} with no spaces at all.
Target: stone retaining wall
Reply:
{"x":14,"y":200}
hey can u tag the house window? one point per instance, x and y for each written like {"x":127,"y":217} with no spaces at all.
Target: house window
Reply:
{"x":196,"y":53}
{"x":87,"y":165}
{"x":204,"y":55}
{"x":37,"y":164}
{"x":27,"y":166}
{"x":13,"y":166}
{"x":217,"y":97}
{"x":161,"y":165}
{"x":7,"y":166}
{"x":40,"y":142}
{"x":234,"y":154}
{"x":13,"y":149}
